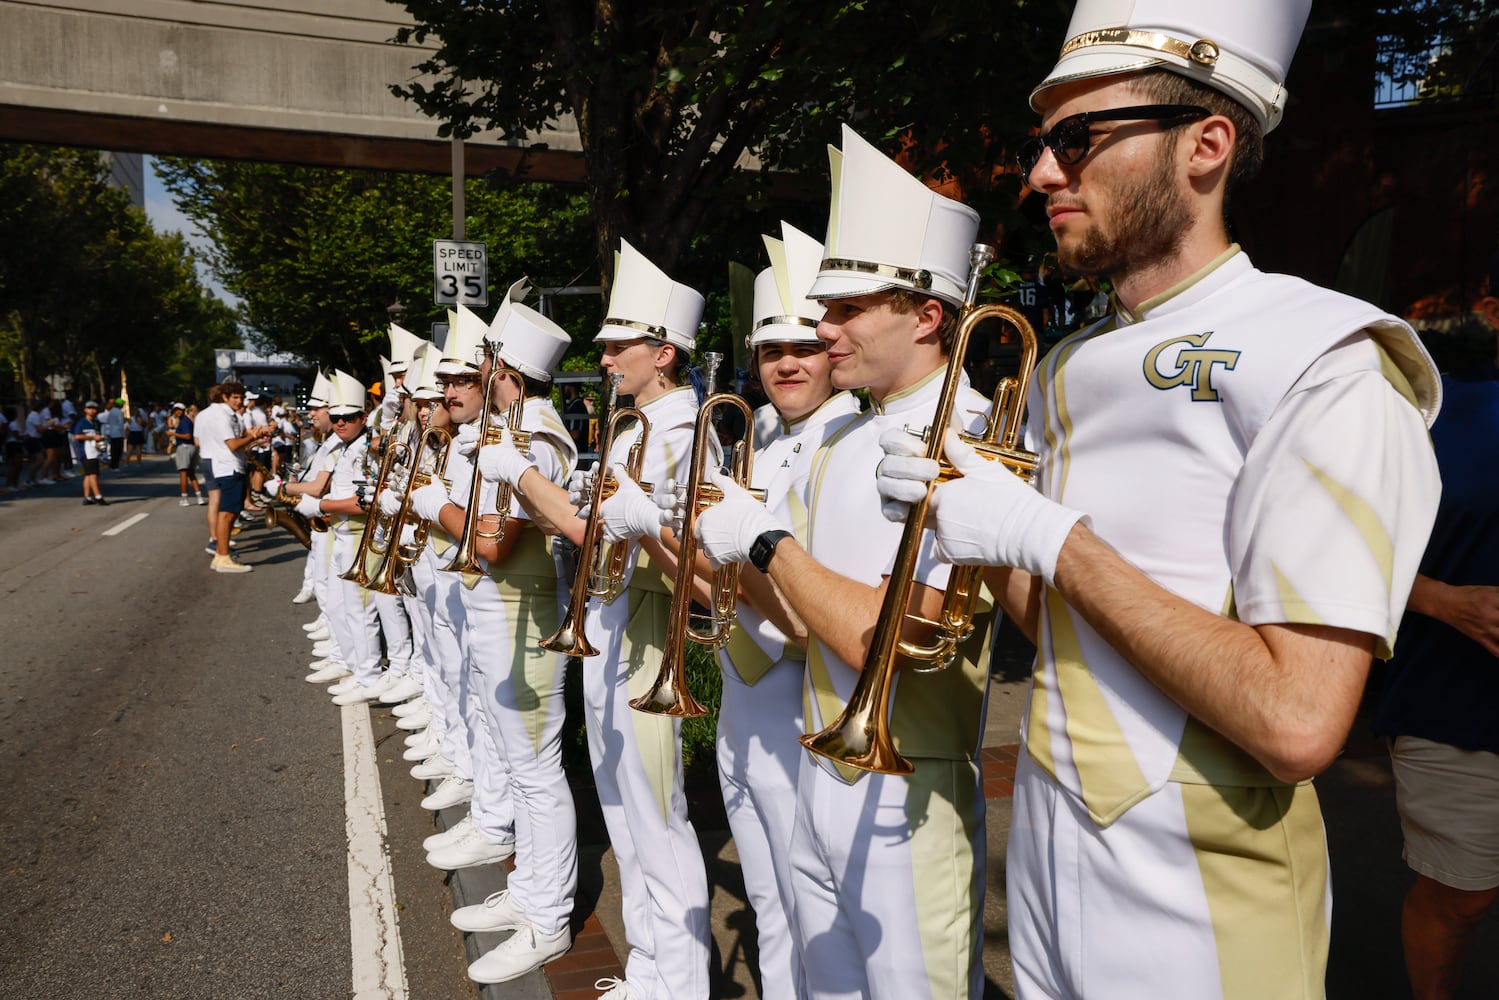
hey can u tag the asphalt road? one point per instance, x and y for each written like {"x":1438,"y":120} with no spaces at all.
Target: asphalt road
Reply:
{"x":171,"y":790}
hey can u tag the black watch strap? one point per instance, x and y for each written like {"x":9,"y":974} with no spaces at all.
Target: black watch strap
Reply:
{"x":765,"y":547}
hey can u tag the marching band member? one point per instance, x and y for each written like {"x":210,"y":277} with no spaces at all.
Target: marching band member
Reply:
{"x":760,"y":716}
{"x":649,"y":331}
{"x":314,"y":480}
{"x":887,"y":870}
{"x":1205,"y":629}
{"x":352,"y":614}
{"x":517,"y":683}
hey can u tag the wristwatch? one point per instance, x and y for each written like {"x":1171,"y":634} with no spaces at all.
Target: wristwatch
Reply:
{"x":765,"y":547}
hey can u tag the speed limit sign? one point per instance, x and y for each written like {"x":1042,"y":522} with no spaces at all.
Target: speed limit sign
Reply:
{"x":460,"y":273}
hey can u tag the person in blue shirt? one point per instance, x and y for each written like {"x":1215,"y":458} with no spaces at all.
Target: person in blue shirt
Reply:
{"x":88,"y":437}
{"x":1440,"y":703}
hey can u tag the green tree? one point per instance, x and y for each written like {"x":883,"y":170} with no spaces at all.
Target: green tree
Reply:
{"x":87,"y":288}
{"x":669,"y":98}
{"x":317,"y":256}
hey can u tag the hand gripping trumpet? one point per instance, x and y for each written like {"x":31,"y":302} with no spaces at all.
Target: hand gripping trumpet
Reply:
{"x":669,"y":694}
{"x":378,"y":536}
{"x":601,"y":567}
{"x":392,"y":574}
{"x":491,"y":431}
{"x":860,"y":737}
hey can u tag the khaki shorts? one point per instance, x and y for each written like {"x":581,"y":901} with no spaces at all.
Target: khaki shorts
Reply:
{"x":1448,"y":801}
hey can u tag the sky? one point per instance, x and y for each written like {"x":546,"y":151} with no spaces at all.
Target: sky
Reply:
{"x":165,"y":218}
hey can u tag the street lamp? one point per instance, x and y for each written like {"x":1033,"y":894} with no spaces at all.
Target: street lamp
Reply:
{"x":395,"y":309}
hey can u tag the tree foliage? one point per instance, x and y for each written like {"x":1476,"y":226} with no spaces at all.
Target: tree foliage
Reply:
{"x":669,"y":97}
{"x":317,"y":256}
{"x":88,"y":289}
{"x":1448,"y":49}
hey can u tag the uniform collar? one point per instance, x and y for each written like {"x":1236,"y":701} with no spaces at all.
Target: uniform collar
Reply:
{"x":914,"y":396}
{"x":839,"y":403}
{"x":1190,"y":291}
{"x":672,"y":397}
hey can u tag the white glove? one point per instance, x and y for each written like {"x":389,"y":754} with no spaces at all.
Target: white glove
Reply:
{"x":629,"y":513}
{"x":429,"y":501}
{"x":990,"y":517}
{"x":466,"y":438}
{"x":728,"y":529}
{"x":671,"y":503}
{"x":580,"y":487}
{"x":272,"y":487}
{"x":903,"y":474}
{"x":502,"y":463}
{"x":390,"y":502}
{"x":310,"y":507}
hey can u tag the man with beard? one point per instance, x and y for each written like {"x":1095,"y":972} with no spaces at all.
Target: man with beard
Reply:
{"x":1235,"y":488}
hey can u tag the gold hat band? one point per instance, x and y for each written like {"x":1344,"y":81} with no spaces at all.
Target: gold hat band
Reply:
{"x":659,"y":332}
{"x":920,"y":277}
{"x":786,"y":321}
{"x":1203,"y":52}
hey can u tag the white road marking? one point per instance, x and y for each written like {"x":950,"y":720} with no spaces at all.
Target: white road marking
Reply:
{"x":132,"y":519}
{"x":374,"y":933}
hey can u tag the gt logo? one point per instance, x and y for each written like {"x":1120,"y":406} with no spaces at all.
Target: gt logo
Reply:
{"x":1194,"y":366}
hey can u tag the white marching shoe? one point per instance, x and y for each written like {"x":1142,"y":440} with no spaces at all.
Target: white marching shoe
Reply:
{"x":319,"y":634}
{"x":425,"y":746}
{"x":402,"y":688}
{"x":323,"y":649}
{"x":469,"y":851}
{"x":356,"y":695}
{"x":453,"y":791}
{"x":332,"y":672}
{"x":315,"y":624}
{"x":344,"y":686}
{"x":522,"y":952}
{"x":409,"y":708}
{"x":434,"y":768}
{"x":448,"y":836}
{"x":303,"y":596}
{"x":615,"y":989}
{"x":496,"y":913}
{"x":419,"y":720}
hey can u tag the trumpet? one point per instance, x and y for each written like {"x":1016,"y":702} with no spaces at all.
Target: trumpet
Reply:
{"x":392,"y":573}
{"x":669,"y":694}
{"x":490,"y":432}
{"x":376,"y":525}
{"x":860,"y":737}
{"x":601,"y":567}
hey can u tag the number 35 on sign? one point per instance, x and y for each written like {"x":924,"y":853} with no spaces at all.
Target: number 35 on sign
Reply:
{"x":460,"y":273}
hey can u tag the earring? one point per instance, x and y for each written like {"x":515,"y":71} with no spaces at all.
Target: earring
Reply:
{"x":660,"y":379}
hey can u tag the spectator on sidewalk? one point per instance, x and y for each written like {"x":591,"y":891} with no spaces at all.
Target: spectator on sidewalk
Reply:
{"x":90,"y":437}
{"x":135,"y":435}
{"x":55,"y":442}
{"x":14,"y":433}
{"x":184,"y":455}
{"x":113,"y":420}
{"x":223,"y":438}
{"x":1440,"y":704}
{"x":36,"y":455}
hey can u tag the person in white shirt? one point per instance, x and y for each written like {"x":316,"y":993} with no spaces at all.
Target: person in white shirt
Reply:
{"x":113,"y":422}
{"x":221,"y":441}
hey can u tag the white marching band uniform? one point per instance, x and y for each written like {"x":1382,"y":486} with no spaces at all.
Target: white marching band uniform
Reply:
{"x":1265,"y":393}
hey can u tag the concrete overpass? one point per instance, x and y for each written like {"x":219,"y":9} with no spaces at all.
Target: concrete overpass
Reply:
{"x":285,"y":81}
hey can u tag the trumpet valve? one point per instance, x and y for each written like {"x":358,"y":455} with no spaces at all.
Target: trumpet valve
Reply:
{"x":709,"y":495}
{"x":1019,"y":461}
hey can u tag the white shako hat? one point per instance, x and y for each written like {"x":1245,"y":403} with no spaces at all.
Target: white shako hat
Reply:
{"x":465,"y":337}
{"x":528,"y":341}
{"x":403,"y":344}
{"x":1242,"y":49}
{"x":421,"y":376}
{"x":322,"y":390}
{"x":645,"y":302}
{"x":888,"y":230}
{"x":385,"y":385}
{"x":782,"y":312}
{"x":348,"y":394}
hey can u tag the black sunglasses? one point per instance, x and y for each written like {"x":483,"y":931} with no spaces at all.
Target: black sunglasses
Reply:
{"x":1071,"y":138}
{"x":344,"y":418}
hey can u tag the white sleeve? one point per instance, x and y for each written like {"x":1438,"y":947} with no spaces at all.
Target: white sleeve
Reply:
{"x":1335,"y":502}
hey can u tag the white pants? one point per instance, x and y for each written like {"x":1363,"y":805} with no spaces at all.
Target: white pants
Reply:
{"x":319,"y":564}
{"x":353,"y":618}
{"x":1195,"y":893}
{"x":758,"y":758}
{"x":396,"y":628}
{"x":518,"y":688}
{"x":492,"y":810}
{"x":440,"y":698}
{"x":637,"y":766}
{"x":888,"y":875}
{"x":448,"y":623}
